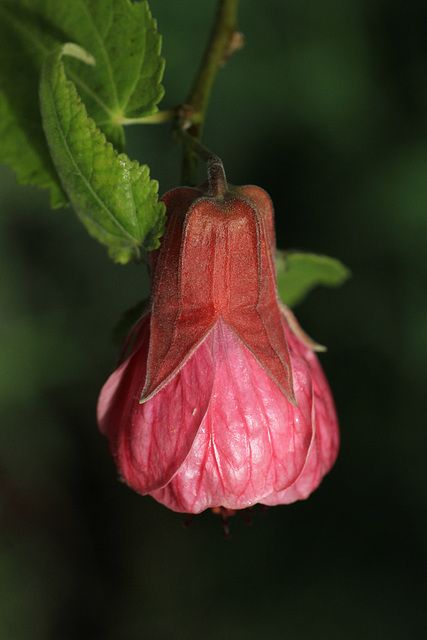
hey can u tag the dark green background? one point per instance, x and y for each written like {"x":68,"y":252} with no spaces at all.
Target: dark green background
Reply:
{"x":326,"y":108}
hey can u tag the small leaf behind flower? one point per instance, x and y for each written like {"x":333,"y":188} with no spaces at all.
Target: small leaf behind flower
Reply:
{"x":114,"y":197}
{"x":298,"y":273}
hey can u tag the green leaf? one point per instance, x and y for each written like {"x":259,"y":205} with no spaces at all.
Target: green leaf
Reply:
{"x":124,"y":85}
{"x":114,"y":197}
{"x":298,"y":273}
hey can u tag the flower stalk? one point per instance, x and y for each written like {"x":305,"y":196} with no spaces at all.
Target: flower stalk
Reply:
{"x":216,"y":53}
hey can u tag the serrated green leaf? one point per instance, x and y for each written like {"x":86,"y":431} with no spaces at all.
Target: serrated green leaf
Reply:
{"x":114,"y":197}
{"x":298,"y":273}
{"x":125,"y":83}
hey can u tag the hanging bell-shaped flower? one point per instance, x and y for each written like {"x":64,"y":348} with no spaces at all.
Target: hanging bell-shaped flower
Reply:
{"x":222,"y":401}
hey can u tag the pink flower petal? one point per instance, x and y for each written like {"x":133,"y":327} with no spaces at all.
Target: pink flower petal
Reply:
{"x":252,"y":441}
{"x":150,"y":441}
{"x":325,"y":443}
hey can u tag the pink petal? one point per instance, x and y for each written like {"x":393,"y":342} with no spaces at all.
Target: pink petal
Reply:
{"x":252,"y":441}
{"x":325,"y":443}
{"x":150,"y":441}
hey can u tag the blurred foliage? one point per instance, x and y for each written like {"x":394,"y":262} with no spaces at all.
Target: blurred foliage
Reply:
{"x":298,"y":273}
{"x":326,"y":109}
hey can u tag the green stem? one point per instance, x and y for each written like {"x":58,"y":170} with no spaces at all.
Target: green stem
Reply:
{"x":198,"y":99}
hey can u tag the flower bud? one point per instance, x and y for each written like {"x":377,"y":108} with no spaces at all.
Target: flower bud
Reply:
{"x":222,"y":401}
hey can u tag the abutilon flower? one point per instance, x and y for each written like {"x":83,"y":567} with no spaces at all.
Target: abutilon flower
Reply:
{"x":221,"y":401}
